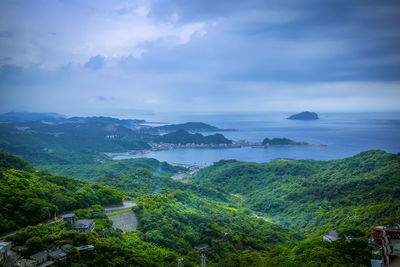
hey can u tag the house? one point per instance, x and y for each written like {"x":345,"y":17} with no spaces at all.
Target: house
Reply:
{"x":66,"y":247}
{"x":69,"y":218}
{"x":25,"y":263}
{"x":201,"y":247}
{"x":58,"y":254}
{"x":4,"y":249}
{"x":331,"y":237}
{"x":40,"y":257}
{"x":83,"y":225}
{"x":84,"y":249}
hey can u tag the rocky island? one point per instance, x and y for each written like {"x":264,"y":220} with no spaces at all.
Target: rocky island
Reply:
{"x":305,"y":116}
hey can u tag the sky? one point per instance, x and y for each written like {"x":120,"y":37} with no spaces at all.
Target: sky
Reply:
{"x":100,"y":57}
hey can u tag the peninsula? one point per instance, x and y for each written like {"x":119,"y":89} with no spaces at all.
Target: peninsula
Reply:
{"x":183,"y":137}
{"x":282,"y":142}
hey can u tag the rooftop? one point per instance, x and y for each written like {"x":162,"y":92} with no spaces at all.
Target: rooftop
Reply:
{"x":201,"y":246}
{"x":82,"y":223}
{"x":57,"y":254}
{"x":68,"y":215}
{"x":40,"y":255}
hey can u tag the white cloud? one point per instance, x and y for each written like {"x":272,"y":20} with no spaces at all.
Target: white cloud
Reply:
{"x":61,"y":33}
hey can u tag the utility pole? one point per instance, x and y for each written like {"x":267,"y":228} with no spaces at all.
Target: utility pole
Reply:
{"x":180,"y":262}
{"x":203,"y":260}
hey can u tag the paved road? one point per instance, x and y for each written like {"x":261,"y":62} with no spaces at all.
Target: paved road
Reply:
{"x":125,"y":205}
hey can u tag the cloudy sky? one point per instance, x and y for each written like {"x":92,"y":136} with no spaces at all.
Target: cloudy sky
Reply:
{"x":124,"y":57}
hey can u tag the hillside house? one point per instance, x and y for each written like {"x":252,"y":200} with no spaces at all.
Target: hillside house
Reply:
{"x":69,"y":218}
{"x":84,"y":225}
{"x":331,"y":237}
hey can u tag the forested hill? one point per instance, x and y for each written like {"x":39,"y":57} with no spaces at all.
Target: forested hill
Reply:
{"x":29,"y":197}
{"x":316,"y":195}
{"x":184,"y":137}
{"x":170,"y":225}
{"x":112,"y":168}
{"x":70,"y":143}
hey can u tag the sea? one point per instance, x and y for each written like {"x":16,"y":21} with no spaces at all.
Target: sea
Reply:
{"x":341,"y":134}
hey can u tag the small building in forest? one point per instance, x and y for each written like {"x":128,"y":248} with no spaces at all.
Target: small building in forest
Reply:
{"x":331,"y":237}
{"x":84,"y":225}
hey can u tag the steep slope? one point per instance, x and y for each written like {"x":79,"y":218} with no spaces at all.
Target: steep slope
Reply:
{"x":357,"y":191}
{"x":112,"y":168}
{"x":28,"y":197}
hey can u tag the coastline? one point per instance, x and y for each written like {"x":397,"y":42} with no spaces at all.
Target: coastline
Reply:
{"x":168,"y":146}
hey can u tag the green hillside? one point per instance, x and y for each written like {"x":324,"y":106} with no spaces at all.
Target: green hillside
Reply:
{"x":184,"y":137}
{"x":28,"y":197}
{"x":141,"y":182}
{"x":315,"y":195}
{"x":171,"y":224}
{"x":112,"y":168}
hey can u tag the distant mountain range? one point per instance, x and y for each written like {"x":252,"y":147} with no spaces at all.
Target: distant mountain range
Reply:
{"x":31,"y":116}
{"x":60,"y":118}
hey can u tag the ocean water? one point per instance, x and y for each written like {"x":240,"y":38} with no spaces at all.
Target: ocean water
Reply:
{"x":343,"y":134}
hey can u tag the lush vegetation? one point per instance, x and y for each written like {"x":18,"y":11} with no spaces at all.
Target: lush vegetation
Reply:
{"x":314,"y":195}
{"x":184,"y":137}
{"x":28,"y":197}
{"x":112,"y":168}
{"x":281,"y":142}
{"x":141,"y":181}
{"x":68,"y":143}
{"x":217,"y":208}
{"x":170,"y":225}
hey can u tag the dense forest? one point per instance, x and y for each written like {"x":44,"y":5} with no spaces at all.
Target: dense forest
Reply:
{"x":315,"y":195}
{"x":174,"y":216}
{"x":112,"y":168}
{"x":28,"y":196}
{"x":184,"y":137}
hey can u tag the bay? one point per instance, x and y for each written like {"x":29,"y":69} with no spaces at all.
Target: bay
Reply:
{"x":343,"y":134}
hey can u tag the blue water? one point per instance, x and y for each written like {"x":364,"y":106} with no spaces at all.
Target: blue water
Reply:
{"x":344,"y":134}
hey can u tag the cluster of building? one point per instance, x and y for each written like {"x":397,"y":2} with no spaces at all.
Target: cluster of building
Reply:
{"x":45,"y":258}
{"x":168,"y":146}
{"x":4,"y":250}
{"x":387,"y":239}
{"x":49,"y":256}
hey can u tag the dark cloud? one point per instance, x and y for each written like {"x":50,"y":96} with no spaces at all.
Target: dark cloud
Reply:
{"x":184,"y":55}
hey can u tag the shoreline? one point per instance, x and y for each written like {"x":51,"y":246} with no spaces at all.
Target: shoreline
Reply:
{"x":155,"y":147}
